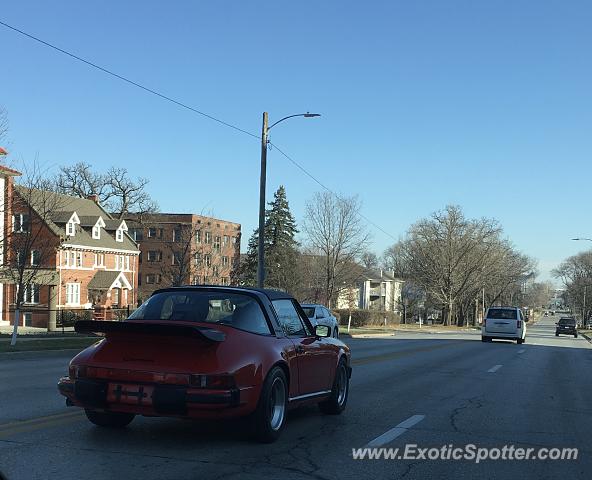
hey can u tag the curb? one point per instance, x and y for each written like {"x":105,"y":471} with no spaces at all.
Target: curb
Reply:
{"x":587,"y":337}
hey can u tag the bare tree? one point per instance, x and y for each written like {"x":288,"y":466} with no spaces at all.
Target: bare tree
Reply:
{"x":3,"y":123}
{"x":454,"y":259}
{"x":115,"y":189}
{"x":191,"y":258}
{"x":335,"y":232}
{"x":576,"y":274}
{"x":29,"y":254}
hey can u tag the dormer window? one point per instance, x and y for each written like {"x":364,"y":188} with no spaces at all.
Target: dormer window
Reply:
{"x":71,"y":225}
{"x":96,"y":230}
{"x":119,"y":232}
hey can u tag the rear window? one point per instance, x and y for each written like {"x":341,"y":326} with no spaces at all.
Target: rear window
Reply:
{"x":567,"y":321}
{"x":309,"y":311}
{"x":503,"y":313}
{"x":222,"y":308}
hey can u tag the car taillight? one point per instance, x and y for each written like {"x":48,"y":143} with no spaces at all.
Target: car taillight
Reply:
{"x":215,"y":382}
{"x":77,"y":371}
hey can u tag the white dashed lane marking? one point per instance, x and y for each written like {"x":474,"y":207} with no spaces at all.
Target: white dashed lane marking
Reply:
{"x":393,"y":433}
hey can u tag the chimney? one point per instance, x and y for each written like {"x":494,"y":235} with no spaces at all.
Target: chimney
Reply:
{"x":94,"y":197}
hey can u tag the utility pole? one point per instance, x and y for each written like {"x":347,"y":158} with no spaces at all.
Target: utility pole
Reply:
{"x":262,"y":182}
{"x":584,"y":309}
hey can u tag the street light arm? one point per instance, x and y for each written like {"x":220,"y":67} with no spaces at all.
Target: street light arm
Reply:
{"x":587,"y":239}
{"x":307,"y":115}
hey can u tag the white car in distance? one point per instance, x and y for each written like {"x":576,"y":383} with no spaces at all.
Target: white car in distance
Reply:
{"x":320,"y":315}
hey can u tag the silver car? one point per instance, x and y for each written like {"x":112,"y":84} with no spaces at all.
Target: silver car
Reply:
{"x":320,"y":315}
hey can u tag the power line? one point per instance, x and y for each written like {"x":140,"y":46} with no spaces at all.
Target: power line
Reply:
{"x":127,"y":80}
{"x":190,"y":108}
{"x":323,"y":186}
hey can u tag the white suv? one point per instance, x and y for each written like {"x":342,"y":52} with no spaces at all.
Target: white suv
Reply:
{"x":504,"y":323}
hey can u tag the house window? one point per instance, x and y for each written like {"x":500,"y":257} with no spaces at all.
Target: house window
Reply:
{"x":224,"y":261}
{"x":224,"y":281}
{"x":153,"y":278}
{"x":27,"y":319}
{"x":197,"y":258}
{"x":72,"y":294}
{"x":154,"y":255}
{"x":32,"y":294}
{"x":79,"y":259}
{"x":208,"y":237}
{"x":138,"y":234}
{"x":215,"y":271}
{"x":96,"y":232}
{"x":35,"y":257}
{"x":119,"y":235}
{"x":225,"y":240}
{"x":127,"y":263}
{"x":177,"y":258}
{"x":20,"y":222}
{"x":70,"y":229}
{"x":20,"y":258}
{"x":119,"y":262}
{"x":152,"y":232}
{"x":176,"y":235}
{"x":99,"y":259}
{"x":217,"y":243}
{"x":208,"y":260}
{"x":198,"y":236}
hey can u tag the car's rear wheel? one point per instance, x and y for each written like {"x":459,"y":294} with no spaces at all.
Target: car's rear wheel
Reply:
{"x":575,"y":335}
{"x":335,"y":404}
{"x":556,"y":334}
{"x":485,"y":339}
{"x":270,"y":417}
{"x":109,"y":419}
{"x":520,"y":341}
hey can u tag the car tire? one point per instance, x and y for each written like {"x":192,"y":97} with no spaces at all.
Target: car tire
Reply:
{"x":556,"y":334}
{"x":109,"y":419}
{"x":337,"y":401}
{"x":336,"y":332}
{"x":520,"y":341}
{"x":269,"y":418}
{"x":485,"y":339}
{"x":575,"y":335}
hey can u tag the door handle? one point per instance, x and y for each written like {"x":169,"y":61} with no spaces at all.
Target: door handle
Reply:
{"x":299,"y":349}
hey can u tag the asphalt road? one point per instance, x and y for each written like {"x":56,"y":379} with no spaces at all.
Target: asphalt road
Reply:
{"x":439,"y":389}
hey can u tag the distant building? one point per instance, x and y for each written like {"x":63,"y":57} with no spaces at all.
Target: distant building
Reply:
{"x":373,"y":290}
{"x":80,"y":257}
{"x":181,"y":249}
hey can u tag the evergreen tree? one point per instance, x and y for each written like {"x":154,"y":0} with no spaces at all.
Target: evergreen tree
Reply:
{"x":281,"y":248}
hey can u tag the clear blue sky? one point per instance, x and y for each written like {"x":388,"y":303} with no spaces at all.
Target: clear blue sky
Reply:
{"x":485,"y":104}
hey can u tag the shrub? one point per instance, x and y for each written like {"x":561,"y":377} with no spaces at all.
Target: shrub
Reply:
{"x":362,"y":318}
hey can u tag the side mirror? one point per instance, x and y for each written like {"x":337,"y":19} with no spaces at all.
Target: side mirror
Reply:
{"x":322,"y":331}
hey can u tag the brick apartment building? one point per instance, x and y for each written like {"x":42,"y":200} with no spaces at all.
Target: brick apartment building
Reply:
{"x":179,"y":249}
{"x":80,"y":257}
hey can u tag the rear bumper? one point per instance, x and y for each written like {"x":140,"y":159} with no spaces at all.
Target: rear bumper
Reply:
{"x":501,"y":335}
{"x":165,"y":400}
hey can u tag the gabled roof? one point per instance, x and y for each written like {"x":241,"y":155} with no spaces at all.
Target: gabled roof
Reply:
{"x":106,"y":280}
{"x":87,"y":211}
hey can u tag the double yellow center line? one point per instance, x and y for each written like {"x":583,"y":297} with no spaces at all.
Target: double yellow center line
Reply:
{"x":48,"y":421}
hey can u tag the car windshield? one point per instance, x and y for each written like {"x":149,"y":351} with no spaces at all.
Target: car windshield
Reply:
{"x":309,"y":311}
{"x":234,"y":309}
{"x":502,"y":313}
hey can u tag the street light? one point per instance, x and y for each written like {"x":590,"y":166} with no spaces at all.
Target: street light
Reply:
{"x":579,"y":239}
{"x":264,"y":134}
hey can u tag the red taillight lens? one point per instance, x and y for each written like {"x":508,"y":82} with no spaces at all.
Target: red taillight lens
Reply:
{"x":215,"y":382}
{"x":77,"y":371}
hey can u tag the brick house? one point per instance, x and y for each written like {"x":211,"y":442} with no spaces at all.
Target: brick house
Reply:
{"x":77,"y":255}
{"x":179,"y":249}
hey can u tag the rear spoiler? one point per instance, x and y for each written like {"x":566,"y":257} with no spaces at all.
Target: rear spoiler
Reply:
{"x":151,"y":328}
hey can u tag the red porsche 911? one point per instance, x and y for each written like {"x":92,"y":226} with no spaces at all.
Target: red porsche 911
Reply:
{"x":209,"y":352}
